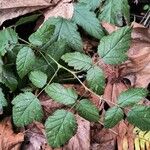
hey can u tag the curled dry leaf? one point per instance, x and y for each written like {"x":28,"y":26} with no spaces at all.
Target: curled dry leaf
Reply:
{"x":81,"y":140}
{"x":49,"y":106}
{"x":103,"y":140}
{"x":8,"y":139}
{"x":14,"y":8}
{"x":137,"y":69}
{"x":63,"y":9}
{"x":35,"y":138}
{"x":54,"y":8}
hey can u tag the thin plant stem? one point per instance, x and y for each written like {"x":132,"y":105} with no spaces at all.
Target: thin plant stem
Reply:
{"x":49,"y":81}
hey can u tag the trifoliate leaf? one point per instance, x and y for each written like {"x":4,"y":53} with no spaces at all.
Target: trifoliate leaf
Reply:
{"x":78,"y":60}
{"x":25,"y":61}
{"x":113,"y":48}
{"x":67,"y":30}
{"x":26,"y":109}
{"x":42,"y":35}
{"x":113,"y":116}
{"x":113,"y":12}
{"x":88,"y":21}
{"x":96,"y":80}
{"x":9,"y":79}
{"x":60,"y":94}
{"x":88,"y":110}
{"x":27,"y":19}
{"x":38,"y":78}
{"x":139,"y":116}
{"x":3,"y":101}
{"x":60,"y":127}
{"x":131,"y":96}
{"x":8,"y":40}
{"x":91,"y":4}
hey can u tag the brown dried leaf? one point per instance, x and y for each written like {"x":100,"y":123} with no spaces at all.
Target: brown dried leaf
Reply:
{"x":35,"y":138}
{"x":81,"y":141}
{"x":8,"y":139}
{"x":137,"y":68}
{"x":49,"y":106}
{"x":103,"y":140}
{"x":109,"y":27}
{"x":63,"y":9}
{"x":14,"y":8}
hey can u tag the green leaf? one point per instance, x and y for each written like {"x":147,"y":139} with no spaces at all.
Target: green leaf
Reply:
{"x":9,"y":79}
{"x":60,"y":127}
{"x":113,"y":12}
{"x":42,"y":35}
{"x":91,"y":4}
{"x":88,"y":21}
{"x":113,"y":116}
{"x":131,"y":96}
{"x":88,"y":110}
{"x":78,"y":60}
{"x":113,"y":48}
{"x":67,"y":30}
{"x":8,"y":40}
{"x":1,"y":70}
{"x":40,"y":64}
{"x":60,"y":94}
{"x":26,"y":109}
{"x":96,"y":80}
{"x":25,"y":61}
{"x":3,"y":101}
{"x":38,"y":78}
{"x":139,"y":116}
{"x":56,"y":50}
{"x":27,"y":19}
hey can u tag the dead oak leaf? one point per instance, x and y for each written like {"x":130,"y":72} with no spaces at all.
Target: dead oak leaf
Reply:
{"x":81,"y":140}
{"x":8,"y":139}
{"x":63,"y":9}
{"x":14,"y":8}
{"x":34,"y":137}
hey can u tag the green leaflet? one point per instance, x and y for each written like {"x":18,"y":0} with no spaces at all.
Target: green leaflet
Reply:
{"x":26,"y":109}
{"x":27,"y":19}
{"x":25,"y":61}
{"x":113,"y":116}
{"x":113,"y":48}
{"x":1,"y":70}
{"x":8,"y":39}
{"x":67,"y":30}
{"x":40,"y":64}
{"x":9,"y":79}
{"x":91,"y":4}
{"x":60,"y":94}
{"x":88,"y":110}
{"x":139,"y":116}
{"x":87,"y":20}
{"x":60,"y":127}
{"x":78,"y":60}
{"x":3,"y":101}
{"x":38,"y":78}
{"x":42,"y":35}
{"x":96,"y":80}
{"x":131,"y":96}
{"x":56,"y":50}
{"x":113,"y":12}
